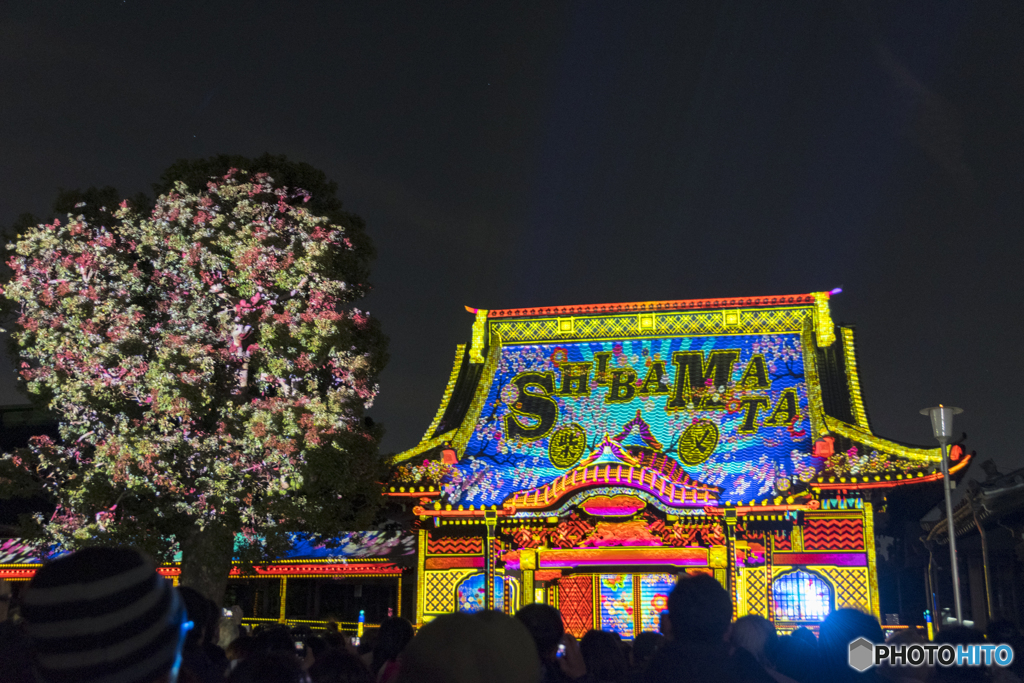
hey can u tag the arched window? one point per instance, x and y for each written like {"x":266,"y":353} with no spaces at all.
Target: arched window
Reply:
{"x":470,"y":593}
{"x":801,"y":596}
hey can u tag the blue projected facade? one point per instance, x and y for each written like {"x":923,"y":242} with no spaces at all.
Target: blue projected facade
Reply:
{"x":731,"y":411}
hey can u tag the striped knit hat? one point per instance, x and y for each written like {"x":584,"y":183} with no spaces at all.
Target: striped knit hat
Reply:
{"x":103,"y":615}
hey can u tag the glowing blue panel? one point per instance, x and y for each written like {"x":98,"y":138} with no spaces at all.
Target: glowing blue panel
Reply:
{"x":801,"y":596}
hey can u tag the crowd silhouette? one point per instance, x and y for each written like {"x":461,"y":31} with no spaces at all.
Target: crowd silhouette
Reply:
{"x":104,"y":615}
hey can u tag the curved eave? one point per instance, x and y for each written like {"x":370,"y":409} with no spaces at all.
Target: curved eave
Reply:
{"x":863,"y":436}
{"x":467,"y":390}
{"x":981,"y":506}
{"x":423,"y":447}
{"x":672,"y":494}
{"x":876,"y":481}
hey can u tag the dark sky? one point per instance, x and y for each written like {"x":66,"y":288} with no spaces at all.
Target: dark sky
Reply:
{"x":518,"y":154}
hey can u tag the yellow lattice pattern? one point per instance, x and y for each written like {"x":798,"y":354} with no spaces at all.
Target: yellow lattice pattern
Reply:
{"x":850,"y":584}
{"x":757,"y":601}
{"x":617,"y":326}
{"x":440,"y":591}
{"x":651,"y":323}
{"x":772,"y":320}
{"x":705,"y":322}
{"x":526,"y":329}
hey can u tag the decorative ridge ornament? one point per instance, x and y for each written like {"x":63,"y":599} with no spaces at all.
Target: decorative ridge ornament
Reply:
{"x":476,"y":351}
{"x":824,"y":328}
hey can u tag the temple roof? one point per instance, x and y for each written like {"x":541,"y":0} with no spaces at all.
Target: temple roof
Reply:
{"x":749,"y":399}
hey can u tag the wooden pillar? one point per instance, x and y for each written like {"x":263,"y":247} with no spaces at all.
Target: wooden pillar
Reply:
{"x":284,"y":595}
{"x":769,"y":600}
{"x":976,"y":589}
{"x":490,"y":561}
{"x":730,"y":545}
{"x":869,"y":546}
{"x":421,"y":574}
{"x":527,"y":565}
{"x":638,"y":617}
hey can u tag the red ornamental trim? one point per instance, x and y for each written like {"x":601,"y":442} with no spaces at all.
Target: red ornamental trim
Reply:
{"x":455,"y":562}
{"x":25,"y":573}
{"x":547,"y":574}
{"x":274,"y":570}
{"x":461,"y":514}
{"x":321,"y":569}
{"x":676,"y":305}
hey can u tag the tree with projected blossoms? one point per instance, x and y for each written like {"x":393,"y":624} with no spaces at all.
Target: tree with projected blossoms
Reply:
{"x":208,"y":366}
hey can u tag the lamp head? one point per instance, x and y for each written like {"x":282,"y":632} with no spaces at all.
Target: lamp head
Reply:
{"x":942,"y":421}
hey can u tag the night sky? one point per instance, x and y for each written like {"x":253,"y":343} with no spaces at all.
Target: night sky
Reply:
{"x":514,"y":154}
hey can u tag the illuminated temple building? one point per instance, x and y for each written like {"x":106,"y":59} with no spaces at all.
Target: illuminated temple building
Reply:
{"x":584,"y":456}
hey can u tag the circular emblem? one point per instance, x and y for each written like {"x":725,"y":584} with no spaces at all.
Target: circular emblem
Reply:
{"x":567,"y":445}
{"x":698,"y":442}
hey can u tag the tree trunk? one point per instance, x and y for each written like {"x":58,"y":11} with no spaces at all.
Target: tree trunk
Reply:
{"x":206,"y":561}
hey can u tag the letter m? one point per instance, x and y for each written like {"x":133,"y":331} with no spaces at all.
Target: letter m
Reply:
{"x":693,"y":372}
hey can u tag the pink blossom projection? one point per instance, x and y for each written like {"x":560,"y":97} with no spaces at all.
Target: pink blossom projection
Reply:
{"x":207,"y":363}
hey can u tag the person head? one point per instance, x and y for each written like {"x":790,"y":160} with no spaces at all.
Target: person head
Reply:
{"x":960,"y":635}
{"x":104,"y":614}
{"x":699,"y":609}
{"x":270,"y":667}
{"x":339,"y":666}
{"x":316,"y":644}
{"x":1004,"y":632}
{"x":905,"y":674}
{"x":211,"y":627}
{"x":15,"y":653}
{"x":756,"y":635}
{"x":544,"y":623}
{"x":335,"y":640}
{"x":488,"y":647}
{"x":276,"y":639}
{"x":240,"y":648}
{"x":602,"y":652}
{"x":805,"y":634}
{"x":198,"y":609}
{"x":644,"y":646}
{"x":797,"y":658}
{"x":840,"y":628}
{"x":392,"y":637}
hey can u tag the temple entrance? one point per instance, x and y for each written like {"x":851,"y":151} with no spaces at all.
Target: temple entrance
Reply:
{"x":625,"y":603}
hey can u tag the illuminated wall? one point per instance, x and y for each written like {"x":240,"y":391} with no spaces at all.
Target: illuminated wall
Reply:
{"x":627,"y":604}
{"x":730,"y":410}
{"x":616,"y":601}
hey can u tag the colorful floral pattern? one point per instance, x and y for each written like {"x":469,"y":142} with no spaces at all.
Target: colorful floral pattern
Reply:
{"x":207,"y":364}
{"x":745,"y":465}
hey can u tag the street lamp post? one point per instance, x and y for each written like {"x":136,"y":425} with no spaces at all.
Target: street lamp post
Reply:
{"x":942,"y":429}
